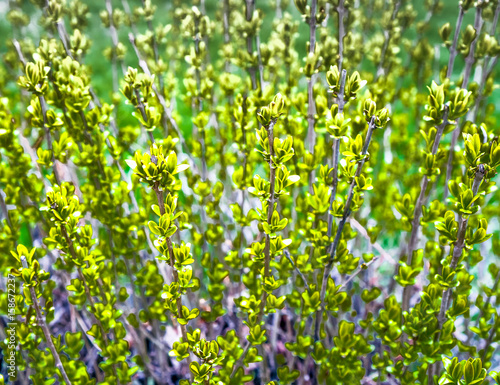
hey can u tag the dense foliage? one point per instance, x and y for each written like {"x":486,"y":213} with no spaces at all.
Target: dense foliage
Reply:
{"x":241,"y":191}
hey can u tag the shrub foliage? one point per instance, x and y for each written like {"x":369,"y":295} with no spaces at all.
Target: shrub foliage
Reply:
{"x":250,"y":192}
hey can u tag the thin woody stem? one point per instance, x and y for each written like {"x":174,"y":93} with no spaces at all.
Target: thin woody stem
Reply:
{"x":453,"y":48}
{"x":341,"y":13}
{"x":336,"y":150}
{"x":469,"y":62}
{"x":145,"y":68}
{"x":287,"y":255}
{"x":199,"y":105}
{"x":387,"y":39}
{"x":311,"y":135}
{"x":270,"y":210}
{"x":175,"y":275}
{"x":142,"y":110}
{"x":43,"y":105}
{"x":417,"y":212}
{"x":267,"y":248}
{"x":63,"y":36}
{"x":347,"y":211}
{"x":250,"y":6}
{"x":5,"y":211}
{"x":460,"y":243}
{"x":71,"y":247}
{"x":45,"y":329}
{"x":456,"y":255}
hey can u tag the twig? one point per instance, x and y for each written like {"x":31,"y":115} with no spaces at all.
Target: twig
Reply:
{"x":387,"y":39}
{"x":175,"y":276}
{"x":417,"y":212}
{"x":287,"y":255}
{"x":457,"y":253}
{"x":340,"y":228}
{"x":270,"y":210}
{"x":336,"y":150}
{"x":250,"y":5}
{"x":161,"y":99}
{"x":341,"y":12}
{"x":45,"y":329}
{"x":460,"y":244}
{"x":311,"y":110}
{"x":361,"y":268}
{"x":238,"y":363}
{"x":43,"y":106}
{"x":384,"y":254}
{"x":5,"y":211}
{"x":453,"y":49}
{"x":469,"y":61}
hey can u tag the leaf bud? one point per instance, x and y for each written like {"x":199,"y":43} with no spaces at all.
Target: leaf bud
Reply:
{"x":131,"y":76}
{"x":54,"y":10}
{"x":436,"y":96}
{"x":277,"y":105}
{"x":466,"y":4}
{"x":264,"y":116}
{"x":459,"y":104}
{"x":301,"y":6}
{"x":338,"y":126}
{"x":333,"y":77}
{"x":353,"y":85}
{"x":469,"y":34}
{"x":382,"y":118}
{"x":369,"y":109}
{"x":445,"y":32}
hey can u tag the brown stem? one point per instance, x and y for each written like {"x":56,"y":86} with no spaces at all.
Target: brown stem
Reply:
{"x":270,"y":210}
{"x":45,"y":329}
{"x":5,"y":211}
{"x":311,"y":110}
{"x":336,"y":150}
{"x":341,"y":12}
{"x":114,"y":40}
{"x":469,"y":62}
{"x":161,"y":100}
{"x":287,"y":255}
{"x":387,"y":39}
{"x":456,"y":255}
{"x":71,"y":247}
{"x":175,"y":275}
{"x":489,"y":341}
{"x":272,"y":177}
{"x":333,"y":248}
{"x":417,"y":212}
{"x":453,"y":48}
{"x":238,"y":363}
{"x":259,"y":58}
{"x":250,"y":6}
{"x":142,"y":110}
{"x":43,"y":105}
{"x":267,"y":248}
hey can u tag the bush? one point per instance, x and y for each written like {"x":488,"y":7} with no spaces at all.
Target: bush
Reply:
{"x":231,"y":192}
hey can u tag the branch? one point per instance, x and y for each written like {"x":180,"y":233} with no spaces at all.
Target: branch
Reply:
{"x":161,"y":99}
{"x":340,"y":228}
{"x":311,"y":110}
{"x":336,"y":150}
{"x":45,"y":329}
{"x":417,"y":212}
{"x":175,"y":276}
{"x":453,"y":49}
{"x":287,"y":255}
{"x":469,"y":61}
{"x":270,"y":210}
